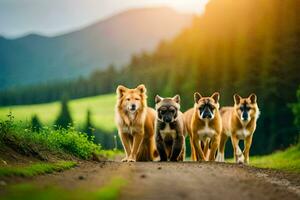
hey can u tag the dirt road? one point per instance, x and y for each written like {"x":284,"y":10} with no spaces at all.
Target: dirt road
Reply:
{"x":186,"y":180}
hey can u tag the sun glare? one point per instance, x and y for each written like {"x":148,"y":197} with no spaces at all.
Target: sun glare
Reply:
{"x":196,"y":6}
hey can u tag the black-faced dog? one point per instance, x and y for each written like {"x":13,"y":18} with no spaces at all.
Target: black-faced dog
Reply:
{"x":170,"y":131}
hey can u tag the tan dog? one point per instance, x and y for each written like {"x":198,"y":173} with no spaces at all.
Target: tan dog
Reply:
{"x":203,"y":123}
{"x":239,"y":123}
{"x":135,"y":122}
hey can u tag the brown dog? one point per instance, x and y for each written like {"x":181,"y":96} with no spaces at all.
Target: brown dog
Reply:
{"x":170,"y":131}
{"x":135,"y":122}
{"x":239,"y":123}
{"x":203,"y":123}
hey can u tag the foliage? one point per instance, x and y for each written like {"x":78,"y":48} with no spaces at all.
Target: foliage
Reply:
{"x":288,"y":160}
{"x":36,"y":124}
{"x":89,"y":128}
{"x":61,"y":140}
{"x":102,"y":119}
{"x":6,"y":125}
{"x":36,"y":169}
{"x":296,"y":110}
{"x":64,"y":119}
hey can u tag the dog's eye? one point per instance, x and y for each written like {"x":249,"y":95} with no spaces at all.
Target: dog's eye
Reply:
{"x":127,"y":99}
{"x":137,"y":99}
{"x":162,"y":112}
{"x":172,"y":110}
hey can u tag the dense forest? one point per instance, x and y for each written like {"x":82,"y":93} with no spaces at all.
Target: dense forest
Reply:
{"x":235,"y":47}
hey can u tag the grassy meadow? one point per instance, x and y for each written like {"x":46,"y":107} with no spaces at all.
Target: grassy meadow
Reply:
{"x":288,"y":160}
{"x":102,"y":108}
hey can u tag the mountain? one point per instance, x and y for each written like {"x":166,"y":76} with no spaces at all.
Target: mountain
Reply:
{"x":34,"y":58}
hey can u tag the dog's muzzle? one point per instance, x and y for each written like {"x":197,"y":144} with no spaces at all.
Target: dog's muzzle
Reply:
{"x":167,"y":119}
{"x":132,"y":108}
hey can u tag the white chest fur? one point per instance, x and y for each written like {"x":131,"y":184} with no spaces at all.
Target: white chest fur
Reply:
{"x":168,"y":132}
{"x":242,"y":133}
{"x":206,"y":132}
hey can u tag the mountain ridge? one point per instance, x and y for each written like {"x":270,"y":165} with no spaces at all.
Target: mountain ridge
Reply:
{"x":35,"y":58}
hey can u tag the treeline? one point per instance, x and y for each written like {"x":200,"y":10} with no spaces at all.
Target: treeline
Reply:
{"x":99,"y":82}
{"x":235,"y":47}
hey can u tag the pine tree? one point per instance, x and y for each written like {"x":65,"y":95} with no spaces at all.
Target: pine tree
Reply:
{"x":64,"y":119}
{"x":296,"y":110}
{"x":88,"y":128}
{"x":36,"y":124}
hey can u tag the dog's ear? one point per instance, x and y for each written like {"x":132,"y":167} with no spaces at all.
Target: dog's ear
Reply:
{"x":216,"y":96}
{"x":120,"y":90}
{"x":237,"y":98}
{"x":176,"y":98}
{"x":197,"y":97}
{"x":158,"y":98}
{"x":141,"y":88}
{"x":253,"y":98}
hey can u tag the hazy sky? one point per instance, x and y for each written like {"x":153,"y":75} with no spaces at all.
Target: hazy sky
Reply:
{"x":51,"y":17}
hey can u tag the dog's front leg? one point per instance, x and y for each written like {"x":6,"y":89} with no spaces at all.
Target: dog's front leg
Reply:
{"x":247,"y":144}
{"x":137,"y":141}
{"x":237,"y":154}
{"x":177,"y":148}
{"x":221,"y":148}
{"x":198,"y":148}
{"x":193,"y":152}
{"x":214,"y":147}
{"x":160,"y":145}
{"x":126,"y":145}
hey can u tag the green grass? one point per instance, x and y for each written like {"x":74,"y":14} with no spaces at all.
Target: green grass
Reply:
{"x":111,"y":153}
{"x":109,"y":191}
{"x":288,"y":160}
{"x":61,"y":141}
{"x":102,"y":108}
{"x":36,"y":169}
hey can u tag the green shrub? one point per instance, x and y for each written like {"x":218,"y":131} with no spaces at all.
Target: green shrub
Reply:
{"x":61,"y":140}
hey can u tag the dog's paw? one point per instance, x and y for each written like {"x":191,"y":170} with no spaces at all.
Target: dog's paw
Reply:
{"x":124,"y":159}
{"x":240,"y":159}
{"x":131,"y":160}
{"x":220,"y":158}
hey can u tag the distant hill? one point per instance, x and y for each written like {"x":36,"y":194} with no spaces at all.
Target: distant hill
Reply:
{"x":34,"y":58}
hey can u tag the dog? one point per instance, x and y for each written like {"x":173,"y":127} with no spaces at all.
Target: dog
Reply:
{"x":204,"y":125}
{"x":170,"y":130}
{"x":135,"y":123}
{"x":239,"y":123}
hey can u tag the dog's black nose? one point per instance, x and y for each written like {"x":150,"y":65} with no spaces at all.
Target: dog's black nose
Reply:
{"x":207,"y":115}
{"x":133,"y":107}
{"x":167,"y":119}
{"x":245,"y":116}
